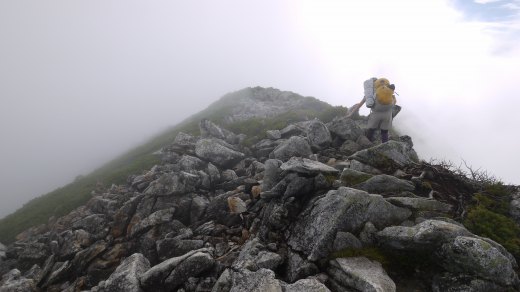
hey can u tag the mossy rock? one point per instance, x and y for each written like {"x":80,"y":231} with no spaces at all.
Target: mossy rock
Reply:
{"x":350,"y":177}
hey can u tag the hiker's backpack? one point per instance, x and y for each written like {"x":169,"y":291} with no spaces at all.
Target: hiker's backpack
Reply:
{"x":369,"y":92}
{"x":379,"y":89}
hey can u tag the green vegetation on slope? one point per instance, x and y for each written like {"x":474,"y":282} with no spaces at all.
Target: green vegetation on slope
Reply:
{"x":63,"y":200}
{"x":489,"y":217}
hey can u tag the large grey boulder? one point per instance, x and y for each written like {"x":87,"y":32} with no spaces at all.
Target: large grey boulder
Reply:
{"x":183,"y":140}
{"x":350,"y":177}
{"x":272,"y":174}
{"x":345,"y":209}
{"x":15,"y":282}
{"x":427,"y":235}
{"x":292,"y":130}
{"x":307,"y":285}
{"x":298,"y":268}
{"x":514,"y":209}
{"x":209,"y":129}
{"x":156,"y":218}
{"x":420,"y":204}
{"x":388,"y":156}
{"x":175,"y":271}
{"x":174,"y":247}
{"x":253,"y":257}
{"x":345,"y":128}
{"x":448,"y":282}
{"x":95,"y":224}
{"x":294,"y":146}
{"x":473,"y":256}
{"x":359,"y":274}
{"x":262,"y":280}
{"x":177,"y":183}
{"x":190,"y":164}
{"x":362,"y":167}
{"x":126,"y":276}
{"x":455,"y":249}
{"x":318,"y":134}
{"x":307,"y":167}
{"x":2,"y":250}
{"x":346,"y":240}
{"x":273,"y":134}
{"x":218,"y":152}
{"x":28,"y":253}
{"x":385,"y":184}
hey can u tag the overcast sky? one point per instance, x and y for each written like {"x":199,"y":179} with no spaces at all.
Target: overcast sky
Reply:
{"x":83,"y":81}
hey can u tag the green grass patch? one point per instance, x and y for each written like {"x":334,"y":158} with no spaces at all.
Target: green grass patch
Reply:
{"x":489,"y":217}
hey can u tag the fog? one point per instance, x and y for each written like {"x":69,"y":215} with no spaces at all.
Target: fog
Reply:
{"x":84,"y":81}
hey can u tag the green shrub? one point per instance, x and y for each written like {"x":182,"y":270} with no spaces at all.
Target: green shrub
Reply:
{"x":489,"y":217}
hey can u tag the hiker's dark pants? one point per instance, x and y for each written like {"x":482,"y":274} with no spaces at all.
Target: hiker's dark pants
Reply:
{"x":371,"y":132}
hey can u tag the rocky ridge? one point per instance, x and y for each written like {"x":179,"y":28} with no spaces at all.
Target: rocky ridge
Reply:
{"x":217,"y":215}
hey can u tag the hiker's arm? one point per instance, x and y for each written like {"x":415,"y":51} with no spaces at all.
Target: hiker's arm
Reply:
{"x":355,"y":108}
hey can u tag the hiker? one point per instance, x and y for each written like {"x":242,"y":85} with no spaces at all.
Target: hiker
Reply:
{"x":381,"y":103}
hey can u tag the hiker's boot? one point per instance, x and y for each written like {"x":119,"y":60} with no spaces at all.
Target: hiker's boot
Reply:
{"x":384,"y":136}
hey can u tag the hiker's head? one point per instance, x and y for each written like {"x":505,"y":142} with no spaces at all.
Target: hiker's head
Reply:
{"x":381,"y":82}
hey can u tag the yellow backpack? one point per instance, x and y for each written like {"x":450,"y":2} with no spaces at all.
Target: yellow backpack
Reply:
{"x":384,"y":92}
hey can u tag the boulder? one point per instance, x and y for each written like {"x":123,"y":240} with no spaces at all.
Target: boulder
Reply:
{"x":387,"y":157}
{"x":209,"y":129}
{"x":15,"y":282}
{"x":253,"y":257}
{"x":273,"y":134}
{"x":292,"y":130}
{"x":361,"y":167}
{"x":214,"y":174}
{"x":318,"y":134}
{"x":171,"y":273}
{"x":307,"y":167}
{"x":218,"y":152}
{"x":198,"y":208}
{"x":473,"y":256}
{"x":343,"y":210}
{"x":271,"y":174}
{"x":420,"y":204}
{"x":346,"y":240}
{"x":126,"y":276}
{"x":183,"y":140}
{"x":349,"y":147}
{"x":83,"y":258}
{"x":385,"y":184}
{"x":359,"y":274}
{"x":95,"y":224}
{"x":71,"y":242}
{"x":298,"y":267}
{"x":345,"y":128}
{"x":514,"y":207}
{"x":190,"y":164}
{"x":2,"y":251}
{"x":307,"y":285}
{"x":123,"y":216}
{"x":174,"y":247}
{"x":294,"y":146}
{"x":448,"y":282}
{"x":28,"y":253}
{"x":262,"y":280}
{"x":177,"y":183}
{"x":156,"y":218}
{"x":350,"y":177}
{"x":427,"y":235}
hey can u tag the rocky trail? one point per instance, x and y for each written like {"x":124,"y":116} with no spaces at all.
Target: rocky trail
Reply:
{"x":314,"y":207}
